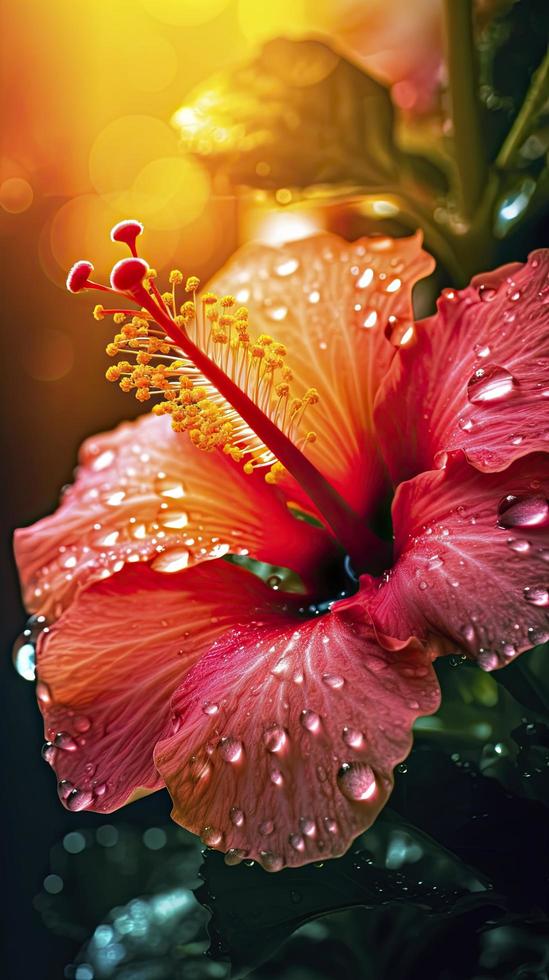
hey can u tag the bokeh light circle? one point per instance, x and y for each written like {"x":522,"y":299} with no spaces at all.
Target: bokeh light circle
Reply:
{"x":124,"y":147}
{"x":170,"y":192}
{"x":16,"y":195}
{"x":49,"y":355}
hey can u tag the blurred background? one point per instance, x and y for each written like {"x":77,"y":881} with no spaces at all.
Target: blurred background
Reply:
{"x":100,"y":122}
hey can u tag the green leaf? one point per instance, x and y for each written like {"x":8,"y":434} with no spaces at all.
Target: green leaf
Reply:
{"x":299,"y":114}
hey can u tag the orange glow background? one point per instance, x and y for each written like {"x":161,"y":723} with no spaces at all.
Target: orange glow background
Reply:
{"x":90,"y":92}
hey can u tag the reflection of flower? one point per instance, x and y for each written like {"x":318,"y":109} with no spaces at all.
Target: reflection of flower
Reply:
{"x":276,"y":711}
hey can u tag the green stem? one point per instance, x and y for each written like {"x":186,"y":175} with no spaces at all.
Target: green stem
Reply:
{"x":469,"y":151}
{"x":535,"y":97}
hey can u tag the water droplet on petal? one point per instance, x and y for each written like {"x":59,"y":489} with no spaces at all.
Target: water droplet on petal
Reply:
{"x":277,"y":312}
{"x":487,"y":293}
{"x":287,"y":267}
{"x":352,"y":737}
{"x":49,"y":753}
{"x":65,"y":741}
{"x":314,"y":296}
{"x":24,"y":658}
{"x":210,"y":709}
{"x":234,"y":856}
{"x":523,"y":511}
{"x":277,"y":777}
{"x":307,"y":826}
{"x":296,"y":841}
{"x":43,"y":692}
{"x":230,"y":749}
{"x":237,"y":816}
{"x":537,"y":595}
{"x":81,"y":723}
{"x":520,"y":545}
{"x":490,"y":384}
{"x":79,"y":799}
{"x":310,"y":720}
{"x":211,"y":837}
{"x":333,"y":680}
{"x":116,"y":498}
{"x":365,"y":279}
{"x":266,"y":828}
{"x":356,"y":781}
{"x":370,"y":320}
{"x":271,"y":861}
{"x":175,"y":520}
{"x":172,"y":489}
{"x":274,"y":738}
{"x":171,"y":561}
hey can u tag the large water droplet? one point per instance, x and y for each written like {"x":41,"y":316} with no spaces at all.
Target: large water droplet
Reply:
{"x":266,"y":828}
{"x":333,"y":680}
{"x":237,"y":816}
{"x":537,"y":595}
{"x":230,"y":749}
{"x":116,"y":498}
{"x":79,"y":799}
{"x":211,"y":837}
{"x":490,"y":384}
{"x":286,"y":268}
{"x":352,"y":737}
{"x":24,"y":658}
{"x":307,"y":826}
{"x":399,"y":331}
{"x":175,"y":520}
{"x":524,"y":510}
{"x":310,"y":720}
{"x":234,"y":856}
{"x":65,"y":741}
{"x":356,"y":781}
{"x":173,"y":489}
{"x":520,"y":545}
{"x":274,"y":738}
{"x":271,"y":861}
{"x":296,"y":841}
{"x":171,"y":561}
{"x":365,"y":279}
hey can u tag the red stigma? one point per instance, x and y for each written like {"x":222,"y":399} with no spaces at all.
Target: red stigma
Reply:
{"x":127,"y":232}
{"x":127,"y":274}
{"x":78,"y":277}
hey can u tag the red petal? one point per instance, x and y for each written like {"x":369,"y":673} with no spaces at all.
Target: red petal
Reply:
{"x":473,"y":559}
{"x":144,"y":493}
{"x":433,"y":400}
{"x":297,"y":760}
{"x":329,"y":302}
{"x":108,"y":669}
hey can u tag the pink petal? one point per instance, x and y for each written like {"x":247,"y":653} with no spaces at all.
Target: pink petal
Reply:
{"x":330,"y":301}
{"x":108,"y":669}
{"x":472,"y":560}
{"x":478,"y":378}
{"x":145,"y":493}
{"x":312,"y":716}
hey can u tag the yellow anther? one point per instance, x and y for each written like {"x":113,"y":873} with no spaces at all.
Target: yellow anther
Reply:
{"x":209,"y":299}
{"x":227,"y":301}
{"x":187,"y":309}
{"x":181,"y":321}
{"x":282,"y":389}
{"x":295,"y":405}
{"x":167,"y":297}
{"x":311,"y":397}
{"x":280,"y":350}
{"x":112,"y":373}
{"x":264,"y":340}
{"x":143,"y":357}
{"x":175,"y":277}
{"x":257,"y":351}
{"x":142,"y":394}
{"x":311,"y":437}
{"x":125,"y":384}
{"x":248,"y":468}
{"x":112,"y":350}
{"x":119,"y":318}
{"x":98,"y":312}
{"x":192,"y":284}
{"x":151,"y":274}
{"x":241,"y":313}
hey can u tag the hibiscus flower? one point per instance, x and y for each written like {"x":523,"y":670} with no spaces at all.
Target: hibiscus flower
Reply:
{"x":294,"y":400}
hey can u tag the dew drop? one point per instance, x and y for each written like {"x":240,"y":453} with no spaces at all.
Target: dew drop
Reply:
{"x":297,"y":842}
{"x":314,"y":296}
{"x":24,"y":658}
{"x":79,"y":799}
{"x":399,"y":331}
{"x":520,"y":545}
{"x":352,"y":737}
{"x":523,"y":511}
{"x":173,"y":489}
{"x":286,"y":268}
{"x":310,"y":720}
{"x":333,"y":680}
{"x":307,"y":826}
{"x":103,"y":460}
{"x":236,"y":816}
{"x":171,"y":561}
{"x":266,"y":828}
{"x":65,"y":741}
{"x":175,"y":520}
{"x":210,"y":709}
{"x":234,"y":856}
{"x":43,"y":692}
{"x":49,"y":753}
{"x":356,"y":781}
{"x":370,"y":320}
{"x":82,"y":724}
{"x":365,"y":279}
{"x":331,"y":825}
{"x":393,"y":286}
{"x":490,"y":384}
{"x":537,"y":595}
{"x":116,"y":498}
{"x":230,"y":749}
{"x":271,"y":861}
{"x":277,"y":312}
{"x":211,"y":837}
{"x":274,"y":738}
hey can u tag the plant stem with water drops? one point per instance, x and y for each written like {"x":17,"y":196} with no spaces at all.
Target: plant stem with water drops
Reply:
{"x":469,"y":145}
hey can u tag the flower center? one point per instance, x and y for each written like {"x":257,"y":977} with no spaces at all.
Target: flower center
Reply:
{"x":230,"y":391}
